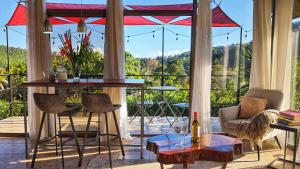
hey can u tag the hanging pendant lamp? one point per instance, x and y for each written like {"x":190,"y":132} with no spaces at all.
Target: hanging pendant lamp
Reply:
{"x":47,"y":27}
{"x":81,"y":27}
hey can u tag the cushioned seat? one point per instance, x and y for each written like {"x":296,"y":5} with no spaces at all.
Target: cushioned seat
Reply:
{"x":116,"y":106}
{"x":229,"y":116}
{"x":233,"y":124}
{"x":54,"y":104}
{"x":101,"y":104}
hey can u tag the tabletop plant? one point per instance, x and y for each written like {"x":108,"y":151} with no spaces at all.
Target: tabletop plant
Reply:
{"x":77,"y":56}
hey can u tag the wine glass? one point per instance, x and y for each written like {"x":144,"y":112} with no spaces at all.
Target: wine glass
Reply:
{"x":177,"y":126}
{"x":184,"y":129}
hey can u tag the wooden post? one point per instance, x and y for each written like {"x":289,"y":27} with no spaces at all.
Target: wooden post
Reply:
{"x":238,"y":92}
{"x":272,"y":37}
{"x":8,"y":72}
{"x":192,"y":60}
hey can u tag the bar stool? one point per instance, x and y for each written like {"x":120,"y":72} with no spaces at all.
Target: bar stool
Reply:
{"x":100,"y":103}
{"x":54,"y":104}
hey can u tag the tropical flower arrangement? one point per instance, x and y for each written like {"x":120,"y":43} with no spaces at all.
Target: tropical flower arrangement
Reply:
{"x":76,"y":56}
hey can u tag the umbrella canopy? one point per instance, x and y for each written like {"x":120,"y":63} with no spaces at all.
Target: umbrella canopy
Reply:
{"x":19,"y":18}
{"x":128,"y":20}
{"x":219,"y":18}
{"x":164,"y":19}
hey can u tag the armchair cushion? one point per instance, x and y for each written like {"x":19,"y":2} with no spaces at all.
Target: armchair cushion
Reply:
{"x":227,"y":114}
{"x":233,"y":124}
{"x":250,"y":106}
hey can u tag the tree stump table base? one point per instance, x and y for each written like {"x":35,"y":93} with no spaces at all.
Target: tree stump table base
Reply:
{"x":211,"y":147}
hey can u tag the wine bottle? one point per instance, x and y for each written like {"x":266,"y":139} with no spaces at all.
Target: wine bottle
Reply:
{"x":195,"y":129}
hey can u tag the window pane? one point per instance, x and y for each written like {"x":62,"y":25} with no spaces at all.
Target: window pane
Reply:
{"x":231,"y":61}
{"x":295,"y":87}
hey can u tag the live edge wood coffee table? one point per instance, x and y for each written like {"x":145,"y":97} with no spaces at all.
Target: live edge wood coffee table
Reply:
{"x":211,"y":147}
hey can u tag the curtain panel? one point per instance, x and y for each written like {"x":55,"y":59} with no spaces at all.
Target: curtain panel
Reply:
{"x":261,"y":56}
{"x":201,"y":83}
{"x":282,"y":50}
{"x":272,"y":72}
{"x":114,"y":62}
{"x":38,"y":60}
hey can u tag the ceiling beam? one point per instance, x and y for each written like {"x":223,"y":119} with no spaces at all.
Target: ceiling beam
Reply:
{"x":75,"y":13}
{"x":102,"y":13}
{"x":158,"y":13}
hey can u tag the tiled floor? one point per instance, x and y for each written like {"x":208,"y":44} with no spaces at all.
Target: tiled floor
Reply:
{"x":12,"y":156}
{"x":12,"y":151}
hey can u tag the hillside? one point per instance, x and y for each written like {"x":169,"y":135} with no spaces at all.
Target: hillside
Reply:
{"x":175,"y":64}
{"x":17,"y":55}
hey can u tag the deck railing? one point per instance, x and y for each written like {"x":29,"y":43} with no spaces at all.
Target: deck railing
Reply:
{"x":12,"y":98}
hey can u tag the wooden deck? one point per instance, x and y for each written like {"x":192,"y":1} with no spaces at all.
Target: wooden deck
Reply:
{"x":14,"y":126}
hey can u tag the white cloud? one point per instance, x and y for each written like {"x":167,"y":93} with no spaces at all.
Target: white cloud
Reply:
{"x":98,"y":50}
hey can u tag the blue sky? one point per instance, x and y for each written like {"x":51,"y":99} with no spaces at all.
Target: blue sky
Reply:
{"x":145,"y":45}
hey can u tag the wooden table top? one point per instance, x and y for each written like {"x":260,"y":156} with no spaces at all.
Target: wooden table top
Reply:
{"x":87,"y":83}
{"x":212,"y":147}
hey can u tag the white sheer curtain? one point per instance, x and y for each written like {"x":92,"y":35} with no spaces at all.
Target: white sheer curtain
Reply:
{"x":114,"y":61}
{"x":282,"y":50}
{"x":261,"y":56}
{"x":38,"y":59}
{"x":272,"y":73}
{"x":201,"y":84}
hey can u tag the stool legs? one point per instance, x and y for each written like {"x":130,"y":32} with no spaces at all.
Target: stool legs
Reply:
{"x":84,"y":139}
{"x":258,"y":152}
{"x":61,"y":143}
{"x":38,"y":140}
{"x":107,"y":136}
{"x":55,"y":134}
{"x":99,"y":134}
{"x":118,"y":132}
{"x":108,"y":140}
{"x":75,"y":135}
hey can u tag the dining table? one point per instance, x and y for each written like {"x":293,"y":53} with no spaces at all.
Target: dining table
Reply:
{"x":93,"y":83}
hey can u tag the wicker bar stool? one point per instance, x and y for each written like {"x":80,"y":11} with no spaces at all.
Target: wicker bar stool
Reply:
{"x":54,"y":104}
{"x":100,"y":103}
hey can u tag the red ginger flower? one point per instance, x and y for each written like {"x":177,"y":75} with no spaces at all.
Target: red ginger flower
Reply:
{"x":87,"y":38}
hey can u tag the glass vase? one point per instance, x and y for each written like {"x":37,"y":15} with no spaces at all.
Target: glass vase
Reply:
{"x":76,"y":72}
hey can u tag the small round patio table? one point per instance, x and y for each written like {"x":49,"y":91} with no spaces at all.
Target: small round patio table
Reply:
{"x":211,"y":147}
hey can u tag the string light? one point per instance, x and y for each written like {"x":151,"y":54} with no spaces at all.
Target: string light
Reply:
{"x":17,"y":31}
{"x":246,"y":32}
{"x":227,"y":34}
{"x":220,"y":2}
{"x":177,"y":34}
